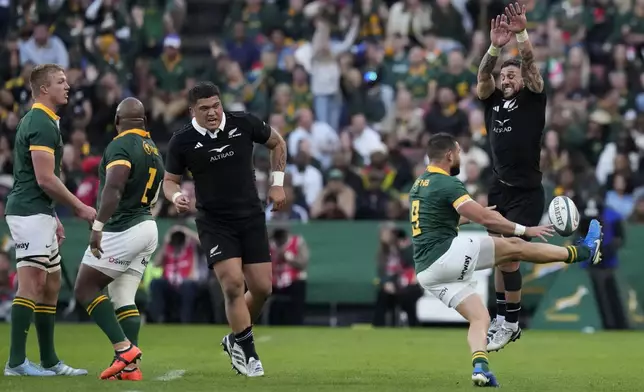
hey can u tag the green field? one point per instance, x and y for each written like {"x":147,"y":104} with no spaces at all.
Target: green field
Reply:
{"x":322,"y":359}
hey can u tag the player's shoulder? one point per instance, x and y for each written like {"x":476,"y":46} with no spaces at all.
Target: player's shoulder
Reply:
{"x":243,"y":119}
{"x":534,"y":96}
{"x":494,"y":98}
{"x":184,"y":135}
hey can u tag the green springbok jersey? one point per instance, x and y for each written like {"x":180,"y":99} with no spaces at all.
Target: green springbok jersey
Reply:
{"x":434,"y":198}
{"x":37,"y":131}
{"x":134,"y":149}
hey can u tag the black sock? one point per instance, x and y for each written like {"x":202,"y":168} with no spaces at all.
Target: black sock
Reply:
{"x":512,"y":314}
{"x":247,"y":343}
{"x":500,"y":303}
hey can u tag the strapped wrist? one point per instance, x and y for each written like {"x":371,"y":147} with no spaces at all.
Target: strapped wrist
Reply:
{"x":493,"y":51}
{"x":522,"y":36}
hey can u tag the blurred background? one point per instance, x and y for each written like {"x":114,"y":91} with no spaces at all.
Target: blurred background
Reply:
{"x":356,"y":88}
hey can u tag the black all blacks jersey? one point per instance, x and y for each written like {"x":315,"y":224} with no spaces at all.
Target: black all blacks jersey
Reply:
{"x":221,"y":164}
{"x":515,"y":127}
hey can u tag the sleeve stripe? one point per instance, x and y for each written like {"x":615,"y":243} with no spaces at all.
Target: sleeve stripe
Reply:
{"x":119,"y":162}
{"x":461,"y":200}
{"x":42,"y":148}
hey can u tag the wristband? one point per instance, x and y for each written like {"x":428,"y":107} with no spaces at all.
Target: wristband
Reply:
{"x":519,"y":230}
{"x":97,"y":225}
{"x":278,"y":178}
{"x":175,"y":196}
{"x":493,"y":51}
{"x":522,"y":36}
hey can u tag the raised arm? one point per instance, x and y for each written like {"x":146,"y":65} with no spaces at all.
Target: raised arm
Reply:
{"x":499,"y":37}
{"x":529,"y":70}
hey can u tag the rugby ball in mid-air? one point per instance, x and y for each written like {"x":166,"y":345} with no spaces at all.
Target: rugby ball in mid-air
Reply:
{"x":563,"y":215}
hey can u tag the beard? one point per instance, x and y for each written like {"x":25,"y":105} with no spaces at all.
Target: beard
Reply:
{"x":455,"y":171}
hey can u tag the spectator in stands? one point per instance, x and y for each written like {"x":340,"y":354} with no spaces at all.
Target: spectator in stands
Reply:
{"x":305,"y":176}
{"x":323,"y":139}
{"x":44,"y":48}
{"x":445,"y":115}
{"x":179,"y":256}
{"x":638,"y":212}
{"x":290,"y":257}
{"x":87,"y":190}
{"x":173,"y":79}
{"x":336,"y":201}
{"x":364,"y":139}
{"x":397,"y":285}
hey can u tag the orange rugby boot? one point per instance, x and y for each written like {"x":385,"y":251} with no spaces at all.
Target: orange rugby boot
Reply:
{"x":128,"y":375}
{"x":121,"y":360}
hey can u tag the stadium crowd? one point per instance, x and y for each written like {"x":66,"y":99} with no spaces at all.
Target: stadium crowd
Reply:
{"x":356,"y":88}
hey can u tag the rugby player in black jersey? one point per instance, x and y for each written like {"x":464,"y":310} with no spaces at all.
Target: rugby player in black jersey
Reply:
{"x":515,"y":119}
{"x":216,"y":147}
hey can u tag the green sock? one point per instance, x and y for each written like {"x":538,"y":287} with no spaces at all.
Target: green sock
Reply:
{"x":480,"y":357}
{"x":130,"y":319}
{"x":577,"y":254}
{"x":21,"y":312}
{"x":44,"y":319}
{"x":102,"y":312}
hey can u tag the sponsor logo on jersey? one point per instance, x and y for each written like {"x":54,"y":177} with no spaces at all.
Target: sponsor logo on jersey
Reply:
{"x":510,"y":105}
{"x":502,"y":126}
{"x":22,"y":245}
{"x":221,"y":153}
{"x":198,"y":145}
{"x":442,"y":293}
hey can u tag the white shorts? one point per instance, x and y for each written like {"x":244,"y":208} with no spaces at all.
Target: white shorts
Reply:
{"x":128,"y":250}
{"x":36,"y":242}
{"x":450,"y":278}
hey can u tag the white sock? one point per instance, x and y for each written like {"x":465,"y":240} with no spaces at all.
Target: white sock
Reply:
{"x":500,"y":319}
{"x":511,"y":326}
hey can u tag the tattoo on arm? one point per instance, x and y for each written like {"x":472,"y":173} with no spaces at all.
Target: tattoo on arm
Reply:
{"x":486,"y":85}
{"x":529,"y":70}
{"x":277,"y":145}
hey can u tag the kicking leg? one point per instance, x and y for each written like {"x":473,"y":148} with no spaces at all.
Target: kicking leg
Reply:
{"x":89,"y":284}
{"x":506,"y":250}
{"x":475,"y":312}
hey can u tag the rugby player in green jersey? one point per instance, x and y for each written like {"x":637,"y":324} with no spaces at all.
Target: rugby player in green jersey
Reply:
{"x":123,"y":237}
{"x":34,"y":226}
{"x":445,"y":262}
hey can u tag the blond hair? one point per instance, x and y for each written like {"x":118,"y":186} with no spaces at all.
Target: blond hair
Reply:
{"x":40,"y":76}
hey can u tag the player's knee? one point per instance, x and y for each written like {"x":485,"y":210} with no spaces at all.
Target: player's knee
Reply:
{"x":51,"y":288}
{"x":31,"y":283}
{"x":509,"y":267}
{"x":84,"y":292}
{"x":513,"y":251}
{"x":263,"y":290}
{"x":232,"y":288}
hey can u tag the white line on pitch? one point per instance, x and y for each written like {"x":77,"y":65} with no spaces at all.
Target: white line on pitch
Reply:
{"x":172,"y":375}
{"x":264,"y":338}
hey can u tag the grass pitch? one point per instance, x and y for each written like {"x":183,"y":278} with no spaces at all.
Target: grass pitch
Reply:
{"x":178,"y":358}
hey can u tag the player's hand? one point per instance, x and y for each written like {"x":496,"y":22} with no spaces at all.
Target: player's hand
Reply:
{"x":95,"y":243}
{"x":60,"y":232}
{"x":277,"y":196}
{"x":182,"y":203}
{"x":499,"y":33}
{"x":86,"y":213}
{"x":540,"y":231}
{"x":517,"y":20}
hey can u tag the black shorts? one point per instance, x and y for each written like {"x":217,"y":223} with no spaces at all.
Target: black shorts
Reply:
{"x":226,"y":239}
{"x":522,"y":206}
